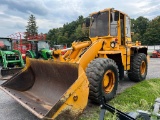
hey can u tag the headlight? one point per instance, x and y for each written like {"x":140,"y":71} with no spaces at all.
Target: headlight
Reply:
{"x":112,"y":44}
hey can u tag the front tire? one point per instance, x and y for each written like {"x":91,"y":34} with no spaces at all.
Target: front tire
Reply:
{"x":138,"y":69}
{"x":103,"y":76}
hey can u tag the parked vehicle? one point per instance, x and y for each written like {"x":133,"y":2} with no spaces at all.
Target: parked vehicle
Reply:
{"x":155,"y":54}
{"x":39,"y":50}
{"x":10,"y":60}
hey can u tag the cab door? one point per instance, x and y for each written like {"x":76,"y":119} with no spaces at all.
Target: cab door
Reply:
{"x":128,"y":41}
{"x":127,"y":30}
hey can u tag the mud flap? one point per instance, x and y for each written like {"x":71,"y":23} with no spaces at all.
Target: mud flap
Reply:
{"x":50,"y":89}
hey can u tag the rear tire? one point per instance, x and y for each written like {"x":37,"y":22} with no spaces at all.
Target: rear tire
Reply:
{"x":139,"y":65}
{"x":103,"y":76}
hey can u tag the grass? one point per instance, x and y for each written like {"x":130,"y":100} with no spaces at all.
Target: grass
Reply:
{"x":140,"y":96}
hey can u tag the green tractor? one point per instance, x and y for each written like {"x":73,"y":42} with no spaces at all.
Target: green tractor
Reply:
{"x":39,"y":50}
{"x":10,"y":60}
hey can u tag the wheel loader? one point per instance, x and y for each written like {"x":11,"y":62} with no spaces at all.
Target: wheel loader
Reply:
{"x":90,"y":69}
{"x":10,"y":60}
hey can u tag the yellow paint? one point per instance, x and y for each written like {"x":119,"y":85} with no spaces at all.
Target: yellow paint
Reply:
{"x":27,"y":64}
{"x":80,"y":90}
{"x":90,"y":54}
{"x":81,"y":45}
{"x":148,"y":58}
{"x":109,"y":52}
{"x":108,"y":81}
{"x":143,"y":67}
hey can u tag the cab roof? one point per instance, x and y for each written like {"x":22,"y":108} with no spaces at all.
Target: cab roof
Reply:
{"x":107,"y":9}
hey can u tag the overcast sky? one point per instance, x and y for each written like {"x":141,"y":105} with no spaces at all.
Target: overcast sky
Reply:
{"x":50,"y":14}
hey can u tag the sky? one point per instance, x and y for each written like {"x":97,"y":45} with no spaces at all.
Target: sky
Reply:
{"x":51,"y":14}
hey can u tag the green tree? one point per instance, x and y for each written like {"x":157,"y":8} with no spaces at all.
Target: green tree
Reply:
{"x":78,"y":32}
{"x":139,"y":27}
{"x":152,"y":35}
{"x":68,"y":33}
{"x":136,"y":37}
{"x":31,"y":28}
{"x":53,"y":35}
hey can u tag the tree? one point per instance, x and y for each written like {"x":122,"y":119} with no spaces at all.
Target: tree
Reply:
{"x":152,"y":35}
{"x":68,"y":33}
{"x":78,"y":32}
{"x":31,"y":28}
{"x":139,"y":27}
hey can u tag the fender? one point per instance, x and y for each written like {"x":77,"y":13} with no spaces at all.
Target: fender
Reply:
{"x":31,"y":53}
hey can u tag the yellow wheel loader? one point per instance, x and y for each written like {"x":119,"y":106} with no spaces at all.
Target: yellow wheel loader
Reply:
{"x":91,"y":68}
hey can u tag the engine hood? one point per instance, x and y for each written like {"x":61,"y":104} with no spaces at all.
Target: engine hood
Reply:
{"x":9,"y":52}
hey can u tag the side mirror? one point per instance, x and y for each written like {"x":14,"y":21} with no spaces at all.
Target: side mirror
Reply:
{"x":87,"y":22}
{"x":116,"y":16}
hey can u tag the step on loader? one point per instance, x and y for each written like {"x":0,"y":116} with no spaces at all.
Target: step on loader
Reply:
{"x":91,"y":68}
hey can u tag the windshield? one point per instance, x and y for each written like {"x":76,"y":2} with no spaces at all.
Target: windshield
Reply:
{"x":99,"y":24}
{"x":42,"y":45}
{"x":5,"y":44}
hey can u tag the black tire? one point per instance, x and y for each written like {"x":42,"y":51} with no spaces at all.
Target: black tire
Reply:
{"x":95,"y":73}
{"x":139,"y":66}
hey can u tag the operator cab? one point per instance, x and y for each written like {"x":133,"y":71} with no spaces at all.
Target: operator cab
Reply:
{"x":110,"y":23}
{"x":5,"y":44}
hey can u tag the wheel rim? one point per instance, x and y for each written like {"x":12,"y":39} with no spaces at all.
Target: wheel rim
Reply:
{"x":108,"y":81}
{"x":143,"y":68}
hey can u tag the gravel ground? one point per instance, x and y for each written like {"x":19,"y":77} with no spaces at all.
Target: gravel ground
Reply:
{"x":11,"y":110}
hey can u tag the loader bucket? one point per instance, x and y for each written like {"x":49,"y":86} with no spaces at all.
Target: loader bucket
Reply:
{"x":50,"y":90}
{"x":10,"y":72}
